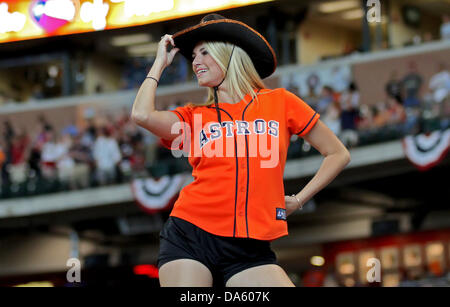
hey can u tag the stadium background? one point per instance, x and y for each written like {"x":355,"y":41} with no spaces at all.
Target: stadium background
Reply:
{"x":66,"y":89}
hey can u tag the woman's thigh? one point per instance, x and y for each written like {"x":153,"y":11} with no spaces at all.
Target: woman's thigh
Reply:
{"x":267,"y":275}
{"x":185,"y":273}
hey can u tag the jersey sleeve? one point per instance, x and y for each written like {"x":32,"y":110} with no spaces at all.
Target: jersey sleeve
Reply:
{"x":299,"y":115}
{"x":184,"y":114}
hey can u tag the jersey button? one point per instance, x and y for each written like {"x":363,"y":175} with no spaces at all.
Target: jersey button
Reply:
{"x":242,"y":189}
{"x":241,"y":213}
{"x":242,"y":165}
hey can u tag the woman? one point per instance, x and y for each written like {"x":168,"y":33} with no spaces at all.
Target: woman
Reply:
{"x":222,"y":224}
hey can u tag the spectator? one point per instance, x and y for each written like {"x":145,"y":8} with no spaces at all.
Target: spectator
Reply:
{"x":70,"y":129}
{"x":134,"y":146}
{"x":2,"y":164}
{"x":411,"y":85}
{"x":325,"y":99}
{"x":138,"y":156}
{"x":4,"y":176}
{"x":5,"y":179}
{"x":397,"y":114}
{"x":123,"y":118}
{"x":312,"y":84}
{"x":2,"y":156}
{"x":350,"y":98}
{"x":365,"y":122}
{"x":42,"y":137}
{"x":349,"y":115}
{"x":332,"y":117}
{"x":440,"y":84}
{"x":89,"y":134}
{"x":381,"y":115}
{"x":64,"y":162}
{"x":44,"y":122}
{"x":151,"y":145}
{"x":106,"y":155}
{"x":8,"y":133}
{"x":49,"y":156}
{"x":111,"y":124}
{"x":390,"y":113}
{"x":82,"y":157}
{"x":394,"y":87}
{"x":445,"y":27}
{"x":17,"y":168}
{"x":18,"y":148}
{"x":126,"y":151}
{"x":341,"y":78}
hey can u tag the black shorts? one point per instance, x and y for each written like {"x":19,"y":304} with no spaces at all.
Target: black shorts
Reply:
{"x":223,"y":256}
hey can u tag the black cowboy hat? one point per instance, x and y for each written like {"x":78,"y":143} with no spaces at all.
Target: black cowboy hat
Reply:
{"x":214,"y":27}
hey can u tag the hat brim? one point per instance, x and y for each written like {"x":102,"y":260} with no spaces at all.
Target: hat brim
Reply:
{"x":234,"y":32}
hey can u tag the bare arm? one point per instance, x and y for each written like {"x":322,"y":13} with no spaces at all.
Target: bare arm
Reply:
{"x":336,"y":158}
{"x":143,"y":112}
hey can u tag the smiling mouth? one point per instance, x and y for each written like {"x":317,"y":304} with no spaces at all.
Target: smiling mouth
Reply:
{"x":201,"y":72}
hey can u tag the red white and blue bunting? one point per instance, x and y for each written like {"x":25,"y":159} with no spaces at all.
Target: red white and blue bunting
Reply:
{"x":427,"y":150}
{"x":157,"y":195}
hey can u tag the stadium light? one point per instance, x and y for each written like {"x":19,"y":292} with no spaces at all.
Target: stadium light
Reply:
{"x":35,"y":284}
{"x":353,"y":14}
{"x":337,"y":6}
{"x":10,"y":22}
{"x":133,"y":39}
{"x":143,"y":49}
{"x":317,"y":261}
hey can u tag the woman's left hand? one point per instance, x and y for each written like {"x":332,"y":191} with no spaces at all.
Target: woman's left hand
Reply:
{"x":291,"y":204}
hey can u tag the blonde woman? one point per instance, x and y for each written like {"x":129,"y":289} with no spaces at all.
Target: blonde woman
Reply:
{"x":221,"y":227}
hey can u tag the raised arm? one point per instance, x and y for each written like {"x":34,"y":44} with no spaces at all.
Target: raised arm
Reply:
{"x":143,"y":112}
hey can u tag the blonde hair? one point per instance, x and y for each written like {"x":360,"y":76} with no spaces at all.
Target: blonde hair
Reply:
{"x":241,"y":78}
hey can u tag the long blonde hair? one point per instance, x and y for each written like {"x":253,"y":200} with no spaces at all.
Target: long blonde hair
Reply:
{"x":241,"y":78}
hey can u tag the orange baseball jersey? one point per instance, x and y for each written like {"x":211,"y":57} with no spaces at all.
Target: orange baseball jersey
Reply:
{"x":238,"y":166}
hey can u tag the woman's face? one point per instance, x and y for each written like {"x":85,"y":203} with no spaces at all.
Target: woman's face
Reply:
{"x":205,"y":67}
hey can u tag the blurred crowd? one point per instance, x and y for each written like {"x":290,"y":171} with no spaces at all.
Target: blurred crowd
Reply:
{"x":103,"y":150}
{"x":409,"y":107}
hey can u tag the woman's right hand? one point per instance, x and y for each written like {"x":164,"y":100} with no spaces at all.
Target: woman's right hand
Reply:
{"x":162,"y":56}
